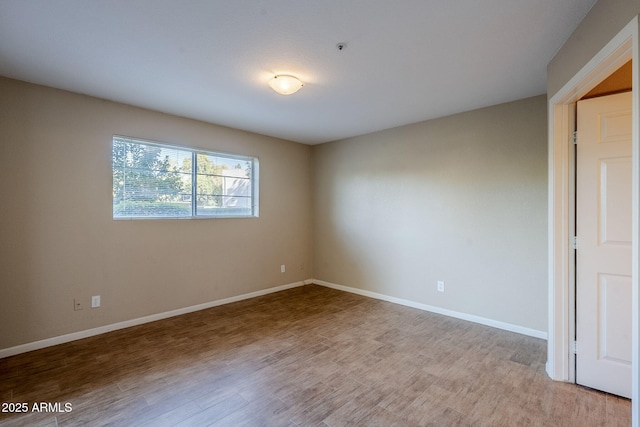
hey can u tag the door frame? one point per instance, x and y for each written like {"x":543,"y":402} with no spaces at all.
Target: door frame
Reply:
{"x":561,"y":280}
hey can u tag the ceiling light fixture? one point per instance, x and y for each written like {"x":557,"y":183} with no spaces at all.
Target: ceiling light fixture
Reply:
{"x":285,"y":84}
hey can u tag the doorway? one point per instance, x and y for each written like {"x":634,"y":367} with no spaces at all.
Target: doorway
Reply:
{"x":622,"y":48}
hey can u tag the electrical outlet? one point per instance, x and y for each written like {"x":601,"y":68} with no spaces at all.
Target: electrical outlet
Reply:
{"x":95,"y":301}
{"x":440,"y":285}
{"x":77,"y":304}
{"x":282,"y":268}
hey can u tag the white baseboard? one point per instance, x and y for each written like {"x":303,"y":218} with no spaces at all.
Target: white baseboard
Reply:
{"x":23,"y":348}
{"x":36,"y":345}
{"x":470,"y":317}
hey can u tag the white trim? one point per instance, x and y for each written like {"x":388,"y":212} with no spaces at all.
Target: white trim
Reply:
{"x":36,"y":345}
{"x":635,"y":230}
{"x":464,"y":316}
{"x":560,"y":263}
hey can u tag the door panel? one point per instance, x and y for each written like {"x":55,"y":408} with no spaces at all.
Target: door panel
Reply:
{"x":614,"y":329}
{"x":603,"y":257}
{"x":615,"y":206}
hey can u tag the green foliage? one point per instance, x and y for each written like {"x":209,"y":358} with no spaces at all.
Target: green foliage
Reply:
{"x":209,"y":181}
{"x":141,"y":174}
{"x":151,"y":209}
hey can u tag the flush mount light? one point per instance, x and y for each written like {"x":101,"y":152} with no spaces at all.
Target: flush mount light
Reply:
{"x":285,"y":84}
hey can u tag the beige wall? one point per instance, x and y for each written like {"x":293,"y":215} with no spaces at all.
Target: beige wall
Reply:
{"x":605,"y":19}
{"x":461,"y":199}
{"x":59,"y":241}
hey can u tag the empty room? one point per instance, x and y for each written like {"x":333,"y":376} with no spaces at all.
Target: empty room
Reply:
{"x":319,"y":213}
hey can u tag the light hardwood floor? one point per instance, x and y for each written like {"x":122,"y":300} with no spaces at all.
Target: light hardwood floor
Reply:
{"x":308,"y":356}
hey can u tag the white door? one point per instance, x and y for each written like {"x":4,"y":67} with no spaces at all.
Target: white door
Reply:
{"x":603,"y":257}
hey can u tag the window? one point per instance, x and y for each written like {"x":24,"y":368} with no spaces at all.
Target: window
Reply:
{"x":152,"y":180}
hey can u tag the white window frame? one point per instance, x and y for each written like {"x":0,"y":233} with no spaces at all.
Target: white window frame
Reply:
{"x":194,"y":152}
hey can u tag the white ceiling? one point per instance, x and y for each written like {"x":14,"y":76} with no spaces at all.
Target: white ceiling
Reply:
{"x":405,"y":60}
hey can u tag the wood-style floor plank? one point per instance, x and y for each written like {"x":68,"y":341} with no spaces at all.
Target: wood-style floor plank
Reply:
{"x":309,"y":356}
